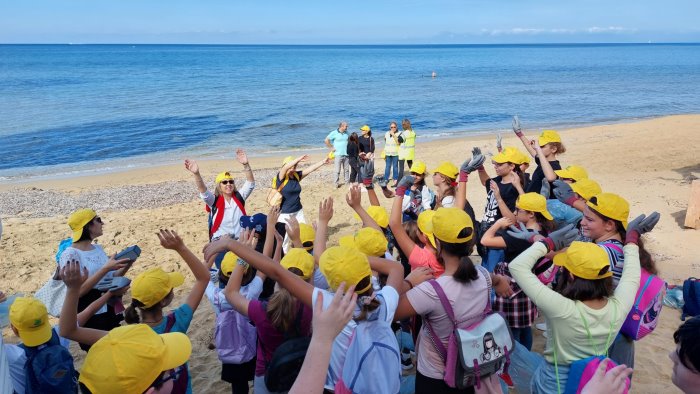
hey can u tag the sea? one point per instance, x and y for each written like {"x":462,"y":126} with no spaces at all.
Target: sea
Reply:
{"x":67,"y":110}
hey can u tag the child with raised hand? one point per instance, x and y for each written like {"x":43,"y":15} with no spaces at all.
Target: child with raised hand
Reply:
{"x":551,"y":146}
{"x":531,"y":213}
{"x":583,"y":313}
{"x":152,"y":291}
{"x":374,"y":216}
{"x":338,"y":264}
{"x":465,"y":287}
{"x":129,"y":359}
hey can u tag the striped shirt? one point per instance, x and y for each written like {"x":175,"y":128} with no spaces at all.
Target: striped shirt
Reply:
{"x":613,"y":248}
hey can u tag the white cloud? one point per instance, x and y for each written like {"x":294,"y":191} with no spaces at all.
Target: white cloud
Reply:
{"x":540,"y":31}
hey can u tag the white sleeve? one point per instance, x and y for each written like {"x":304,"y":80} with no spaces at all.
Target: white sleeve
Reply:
{"x":426,"y":198}
{"x":320,"y":280}
{"x":255,"y":287}
{"x":69,"y":254}
{"x":448,"y":202}
{"x":247,"y":189}
{"x":207,"y":197}
{"x":406,"y":202}
{"x":391,"y":298}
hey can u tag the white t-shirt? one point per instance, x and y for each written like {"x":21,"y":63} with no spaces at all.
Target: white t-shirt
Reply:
{"x":448,"y":201}
{"x":93,"y":260}
{"x":342,"y":341}
{"x":231,"y":222}
{"x":16,"y":358}
{"x":216,"y":296}
{"x":5,"y":377}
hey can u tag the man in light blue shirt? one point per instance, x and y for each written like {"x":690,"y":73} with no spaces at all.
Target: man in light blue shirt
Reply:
{"x":337,"y":141}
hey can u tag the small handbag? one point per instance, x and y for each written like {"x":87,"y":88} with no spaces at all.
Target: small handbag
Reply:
{"x":274,"y":197}
{"x":52,"y":294}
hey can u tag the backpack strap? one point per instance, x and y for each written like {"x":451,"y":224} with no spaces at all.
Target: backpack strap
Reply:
{"x":169,"y":322}
{"x":489,"y":286}
{"x":238,"y":199}
{"x":613,"y":246}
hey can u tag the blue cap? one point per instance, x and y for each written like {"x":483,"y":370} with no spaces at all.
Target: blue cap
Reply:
{"x":257,"y":222}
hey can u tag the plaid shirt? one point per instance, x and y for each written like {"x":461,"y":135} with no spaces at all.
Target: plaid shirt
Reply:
{"x":520,"y":311}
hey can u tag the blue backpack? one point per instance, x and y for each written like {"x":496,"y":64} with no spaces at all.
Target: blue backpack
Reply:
{"x":691,"y":297}
{"x":49,"y":368}
{"x":372,"y":362}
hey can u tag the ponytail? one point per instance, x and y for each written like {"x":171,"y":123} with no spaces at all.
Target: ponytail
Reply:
{"x":373,"y":304}
{"x":131,"y":315}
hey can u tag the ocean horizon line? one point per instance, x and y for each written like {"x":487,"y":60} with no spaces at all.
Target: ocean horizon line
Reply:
{"x":440,"y":45}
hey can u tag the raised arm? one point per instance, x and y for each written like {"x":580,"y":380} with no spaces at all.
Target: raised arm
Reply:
{"x":490,"y":239}
{"x":308,"y":170}
{"x":402,"y":239}
{"x":170,"y":240}
{"x":476,"y":161}
{"x":272,"y":217}
{"x":242,"y":158}
{"x":544,"y":163}
{"x":73,"y":276}
{"x":232,"y":292}
{"x":519,"y":133}
{"x":297,"y":286}
{"x":286,"y":167}
{"x":193,"y":167}
{"x":325,"y":213}
{"x":502,"y":206}
{"x":354,"y":200}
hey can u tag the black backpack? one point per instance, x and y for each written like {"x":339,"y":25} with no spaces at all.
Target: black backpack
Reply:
{"x":285,"y":364}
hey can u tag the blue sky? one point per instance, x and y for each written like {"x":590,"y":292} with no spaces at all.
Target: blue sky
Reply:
{"x":348,"y":22}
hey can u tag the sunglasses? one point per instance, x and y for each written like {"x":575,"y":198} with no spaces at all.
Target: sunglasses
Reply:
{"x":227,"y":182}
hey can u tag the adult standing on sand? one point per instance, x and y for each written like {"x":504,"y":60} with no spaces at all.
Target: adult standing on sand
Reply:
{"x":337,"y":141}
{"x":226,"y":205}
{"x":391,"y":152}
{"x":407,"y":147}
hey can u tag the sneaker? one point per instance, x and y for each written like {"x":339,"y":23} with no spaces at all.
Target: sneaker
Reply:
{"x":506,"y":379}
{"x":407,"y":363}
{"x":541,"y":326}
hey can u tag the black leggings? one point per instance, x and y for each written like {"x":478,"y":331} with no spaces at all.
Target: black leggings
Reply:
{"x":354,"y":170}
{"x":401,"y":163}
{"x":426,"y":385}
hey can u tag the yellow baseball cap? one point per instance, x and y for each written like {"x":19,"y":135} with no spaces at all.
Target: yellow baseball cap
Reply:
{"x":307,"y":234}
{"x":365,"y":128}
{"x":533,"y":202}
{"x":345,"y":264}
{"x":425,"y":224}
{"x":611,"y":206}
{"x":586,"y":188}
{"x":585,"y":260}
{"x":368,"y":240}
{"x":223,"y":176}
{"x":572,"y":172}
{"x":509,"y":154}
{"x":29,"y":316}
{"x":418,"y":167}
{"x":228,"y":264}
{"x":378,"y":213}
{"x":347,"y":241}
{"x":150,"y":287}
{"x":300,"y":259}
{"x":548,"y":136}
{"x":447,"y":169}
{"x":78,"y":219}
{"x":449,"y":222}
{"x":287,"y":159}
{"x":129,"y":359}
{"x":523,"y":158}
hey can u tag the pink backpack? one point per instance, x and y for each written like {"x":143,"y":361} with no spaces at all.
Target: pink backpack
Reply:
{"x":644,"y":314}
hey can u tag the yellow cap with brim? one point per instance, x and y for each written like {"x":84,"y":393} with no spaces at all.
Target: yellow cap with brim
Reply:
{"x":287,"y":160}
{"x":345,"y":264}
{"x":129,"y":359}
{"x":300,"y":259}
{"x":152,"y":286}
{"x":368,"y":240}
{"x":378,"y":213}
{"x":29,"y":316}
{"x":448,"y":223}
{"x":78,"y":219}
{"x":548,"y":136}
{"x":307,"y":235}
{"x":585,"y":260}
{"x":447,"y":169}
{"x":586,"y":188}
{"x":611,"y":206}
{"x":418,"y":167}
{"x":523,"y":158}
{"x":222,"y":176}
{"x":509,"y":154}
{"x":533,"y":202}
{"x":572,"y":172}
{"x":425,"y":225}
{"x":228,"y":264}
{"x":365,"y":128}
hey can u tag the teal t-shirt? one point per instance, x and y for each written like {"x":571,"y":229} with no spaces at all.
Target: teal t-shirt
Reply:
{"x":183,"y":318}
{"x":339,"y":141}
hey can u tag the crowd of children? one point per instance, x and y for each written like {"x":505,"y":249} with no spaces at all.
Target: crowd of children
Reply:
{"x":294,"y":314}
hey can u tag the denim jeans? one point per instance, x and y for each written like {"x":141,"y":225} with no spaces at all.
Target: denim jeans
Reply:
{"x":342,"y":160}
{"x":523,"y":335}
{"x":401,"y":167}
{"x":531,"y":373}
{"x":392,"y":164}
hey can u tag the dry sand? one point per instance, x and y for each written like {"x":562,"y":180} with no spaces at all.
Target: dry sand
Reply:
{"x":651,"y":163}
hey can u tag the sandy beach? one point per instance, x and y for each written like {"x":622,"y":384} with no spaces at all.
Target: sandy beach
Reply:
{"x":651,"y":163}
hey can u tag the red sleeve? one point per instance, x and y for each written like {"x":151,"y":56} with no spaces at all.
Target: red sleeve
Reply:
{"x":256,"y":312}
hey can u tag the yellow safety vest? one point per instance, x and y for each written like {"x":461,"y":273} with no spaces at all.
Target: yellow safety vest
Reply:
{"x":407,"y":150}
{"x":391,"y":147}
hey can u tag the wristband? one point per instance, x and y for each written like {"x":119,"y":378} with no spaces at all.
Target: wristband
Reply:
{"x":481,"y":168}
{"x":519,"y":133}
{"x":632,"y":237}
{"x":401,"y":191}
{"x":463,"y":175}
{"x":571,"y":200}
{"x":548,"y":243}
{"x":409,"y":283}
